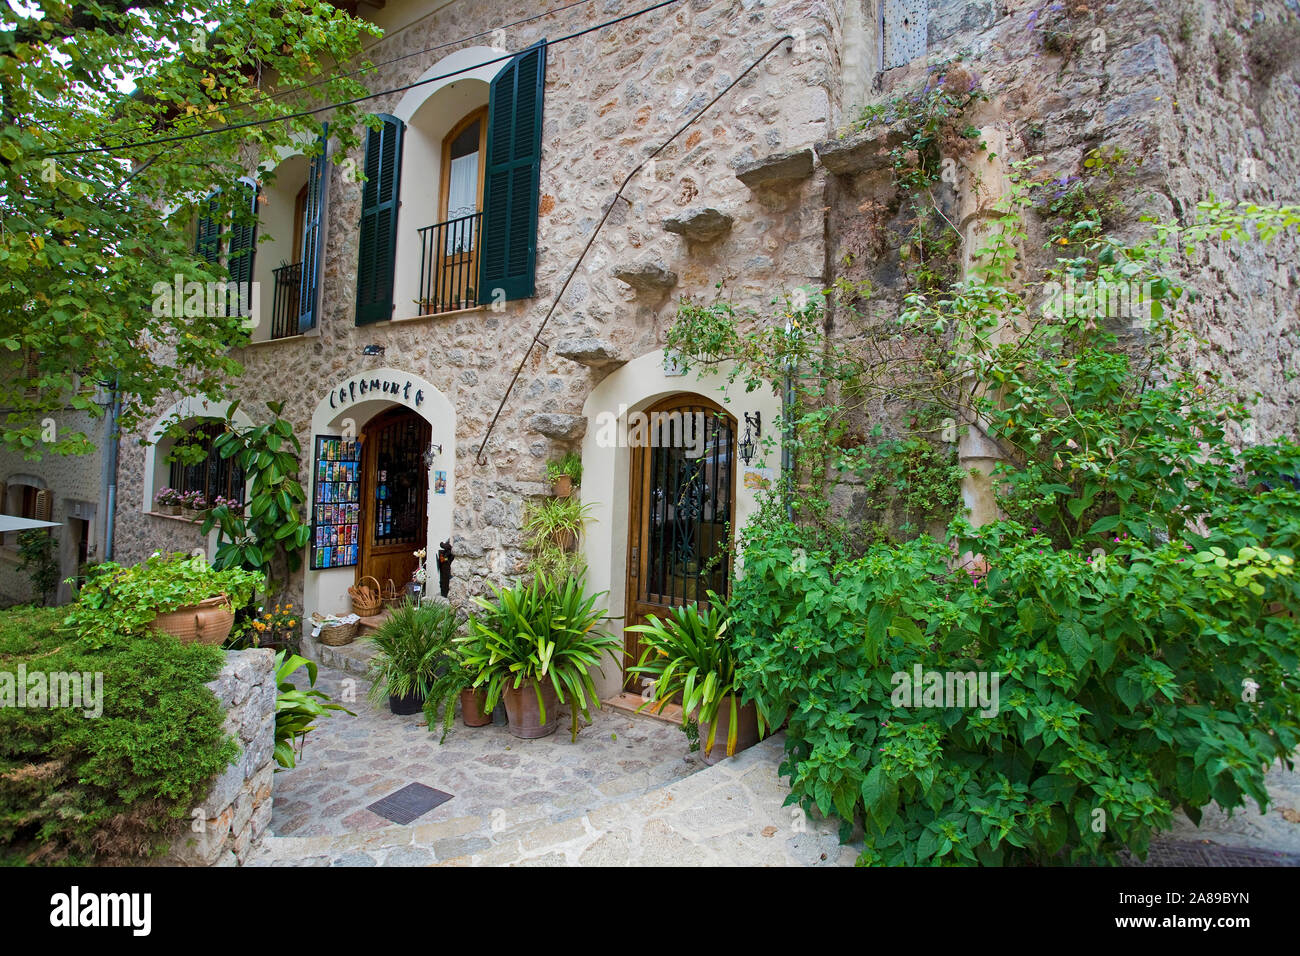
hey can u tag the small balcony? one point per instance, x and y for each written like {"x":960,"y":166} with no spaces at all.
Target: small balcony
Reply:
{"x":449,"y":265}
{"x":286,"y":303}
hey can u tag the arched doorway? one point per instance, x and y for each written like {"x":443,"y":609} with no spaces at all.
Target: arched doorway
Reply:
{"x":394,"y":495}
{"x":681,"y":510}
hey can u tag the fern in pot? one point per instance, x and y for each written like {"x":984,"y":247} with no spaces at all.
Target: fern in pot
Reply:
{"x":413,"y":645}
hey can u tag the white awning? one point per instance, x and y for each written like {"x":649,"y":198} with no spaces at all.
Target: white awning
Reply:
{"x":15,"y":523}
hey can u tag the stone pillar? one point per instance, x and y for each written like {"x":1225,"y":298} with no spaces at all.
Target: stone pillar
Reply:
{"x":983,"y":187}
{"x":237,"y":808}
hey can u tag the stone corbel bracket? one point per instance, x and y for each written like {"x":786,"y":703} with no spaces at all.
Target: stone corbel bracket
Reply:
{"x":648,"y":276}
{"x":700,"y":224}
{"x":777,"y":169}
{"x":590,"y":351}
{"x":862,"y":152}
{"x":565,"y":428}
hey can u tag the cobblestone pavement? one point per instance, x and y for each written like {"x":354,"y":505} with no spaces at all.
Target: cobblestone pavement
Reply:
{"x":626,"y":794}
{"x":350,"y":762}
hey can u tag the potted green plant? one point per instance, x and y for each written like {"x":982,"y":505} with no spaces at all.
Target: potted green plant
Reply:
{"x":565,"y":473}
{"x":534,"y":648}
{"x":178,"y":594}
{"x":456,"y":683}
{"x":412,"y":644}
{"x":555,"y":521}
{"x":689,"y":658}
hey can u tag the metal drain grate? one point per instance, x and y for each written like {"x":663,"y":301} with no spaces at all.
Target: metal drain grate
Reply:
{"x":1180,"y":853}
{"x":412,"y":801}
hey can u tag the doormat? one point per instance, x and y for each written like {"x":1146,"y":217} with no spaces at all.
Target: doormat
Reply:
{"x":412,"y":801}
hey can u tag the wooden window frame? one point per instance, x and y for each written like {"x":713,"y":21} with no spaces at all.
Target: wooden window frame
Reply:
{"x":444,"y":187}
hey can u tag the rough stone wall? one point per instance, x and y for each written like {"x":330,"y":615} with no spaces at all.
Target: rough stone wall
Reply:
{"x":1204,"y":94}
{"x":611,"y":98}
{"x":237,"y":809}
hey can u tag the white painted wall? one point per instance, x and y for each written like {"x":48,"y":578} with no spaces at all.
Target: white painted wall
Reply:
{"x":606,"y":469}
{"x":327,"y":590}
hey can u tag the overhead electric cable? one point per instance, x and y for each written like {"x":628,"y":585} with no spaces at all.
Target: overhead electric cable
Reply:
{"x":231,"y":127}
{"x":555,"y":301}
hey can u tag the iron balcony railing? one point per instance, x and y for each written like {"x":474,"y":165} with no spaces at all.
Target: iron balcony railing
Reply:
{"x":286,"y":302}
{"x":449,"y":264}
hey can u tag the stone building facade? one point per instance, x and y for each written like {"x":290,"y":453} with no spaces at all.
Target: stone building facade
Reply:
{"x":68,"y":491}
{"x":767,"y":192}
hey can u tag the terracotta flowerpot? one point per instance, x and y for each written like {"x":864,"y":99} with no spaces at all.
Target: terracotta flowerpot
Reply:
{"x":566,"y":540}
{"x":412,"y":703}
{"x":522,"y":713}
{"x":472,"y":703}
{"x":170,"y":509}
{"x":208,"y":622}
{"x":562,"y":487}
{"x":746,"y":731}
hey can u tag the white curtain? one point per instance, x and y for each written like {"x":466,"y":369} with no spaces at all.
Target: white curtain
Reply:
{"x":462,"y":200}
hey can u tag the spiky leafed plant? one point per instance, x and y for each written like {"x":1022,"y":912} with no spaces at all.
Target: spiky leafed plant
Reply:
{"x":687,"y":655}
{"x":413,"y":645}
{"x":539,"y":632}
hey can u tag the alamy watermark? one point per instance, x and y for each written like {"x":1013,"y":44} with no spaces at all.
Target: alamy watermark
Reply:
{"x":79,"y":691}
{"x":1099,"y":299}
{"x":675,"y":429}
{"x":947,"y":689}
{"x":208,"y":300}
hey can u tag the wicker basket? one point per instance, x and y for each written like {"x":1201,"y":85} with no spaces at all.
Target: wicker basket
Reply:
{"x":392,"y":596}
{"x":337,"y":634}
{"x":366,"y":601}
{"x":208,"y":622}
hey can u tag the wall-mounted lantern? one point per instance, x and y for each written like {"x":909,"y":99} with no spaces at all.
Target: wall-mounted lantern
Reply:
{"x":753,"y":431}
{"x":431,"y":454}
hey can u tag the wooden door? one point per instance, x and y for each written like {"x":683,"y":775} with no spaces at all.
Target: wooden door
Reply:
{"x":681,"y":502}
{"x":394,"y":495}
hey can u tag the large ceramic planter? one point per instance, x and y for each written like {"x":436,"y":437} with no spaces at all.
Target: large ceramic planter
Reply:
{"x":472,"y":713}
{"x":522,"y":713}
{"x":208,"y":622}
{"x":746,"y":731}
{"x":410,"y":704}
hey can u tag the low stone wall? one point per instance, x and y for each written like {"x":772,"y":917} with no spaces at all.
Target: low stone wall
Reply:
{"x":237,"y":809}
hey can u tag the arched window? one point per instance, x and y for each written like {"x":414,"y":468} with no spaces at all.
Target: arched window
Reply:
{"x":212,"y":476}
{"x":463,"y":152}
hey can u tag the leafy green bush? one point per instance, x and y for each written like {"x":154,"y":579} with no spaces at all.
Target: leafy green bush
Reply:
{"x":111,"y":788}
{"x":1125,"y":688}
{"x":296,"y":711}
{"x":117,"y":601}
{"x":37,"y":559}
{"x":1155,"y":673}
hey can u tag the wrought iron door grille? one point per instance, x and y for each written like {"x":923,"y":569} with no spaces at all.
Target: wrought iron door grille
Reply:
{"x":399,"y":481}
{"x":689,"y":521}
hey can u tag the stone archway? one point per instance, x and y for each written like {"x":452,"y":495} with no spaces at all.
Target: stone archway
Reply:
{"x":607,"y":462}
{"x":343,"y":412}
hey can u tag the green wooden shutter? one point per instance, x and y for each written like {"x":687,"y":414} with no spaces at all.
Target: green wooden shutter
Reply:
{"x":243,"y":245}
{"x":313,"y":241}
{"x":207,"y":239}
{"x":513,"y":177}
{"x":379,"y":204}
